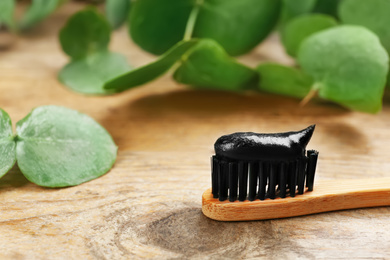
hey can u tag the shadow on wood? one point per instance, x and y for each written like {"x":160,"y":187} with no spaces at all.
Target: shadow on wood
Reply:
{"x":13,"y":179}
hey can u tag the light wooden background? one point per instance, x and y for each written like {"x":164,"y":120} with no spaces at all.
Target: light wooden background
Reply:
{"x":148,"y":205}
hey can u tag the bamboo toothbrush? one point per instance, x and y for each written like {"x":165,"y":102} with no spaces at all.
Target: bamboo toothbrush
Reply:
{"x":329,"y":195}
{"x":256,"y":177}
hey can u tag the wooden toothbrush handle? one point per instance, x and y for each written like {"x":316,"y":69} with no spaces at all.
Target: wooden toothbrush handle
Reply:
{"x":326,"y":196}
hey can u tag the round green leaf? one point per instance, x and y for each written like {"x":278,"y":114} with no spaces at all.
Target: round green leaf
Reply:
{"x":299,"y":7}
{"x":88,"y":75}
{"x":237,"y":25}
{"x":208,"y":65}
{"x":328,"y":7}
{"x":7,"y":8}
{"x":303,"y":26}
{"x":58,"y":147}
{"x":293,"y":8}
{"x":7,"y":144}
{"x":156,"y":25}
{"x":38,"y":11}
{"x":349,"y":66}
{"x":117,"y":12}
{"x":373,"y":14}
{"x":283,"y":80}
{"x":85,"y":32}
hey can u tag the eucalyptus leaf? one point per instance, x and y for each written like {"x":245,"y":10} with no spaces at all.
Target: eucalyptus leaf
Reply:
{"x":301,"y":27}
{"x":85,"y":33}
{"x":299,"y":7}
{"x":38,"y":11}
{"x":293,"y":8}
{"x":117,"y":12}
{"x":88,"y":75}
{"x":349,"y":66}
{"x":151,"y":71}
{"x":7,"y":144}
{"x":237,"y":25}
{"x":85,"y":38}
{"x":328,"y":7}
{"x":208,"y":65}
{"x":59,"y":147}
{"x":283,"y":80}
{"x":373,"y":14}
{"x":7,"y":8}
{"x":156,"y":26}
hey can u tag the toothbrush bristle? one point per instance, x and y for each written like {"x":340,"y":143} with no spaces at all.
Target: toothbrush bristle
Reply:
{"x":252,"y":181}
{"x":272,"y":182}
{"x":301,"y":176}
{"x":311,"y":168}
{"x":262,"y":179}
{"x":242,"y":180}
{"x":233,"y":181}
{"x":282,"y":180}
{"x":293,"y":178}
{"x":223,"y":181}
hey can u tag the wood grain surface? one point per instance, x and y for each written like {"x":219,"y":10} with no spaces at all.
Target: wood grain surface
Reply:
{"x":149,"y":204}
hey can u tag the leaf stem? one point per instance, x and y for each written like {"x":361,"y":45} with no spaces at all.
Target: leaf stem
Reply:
{"x":192,"y":19}
{"x":312,"y":93}
{"x":15,"y":138}
{"x":175,"y":67}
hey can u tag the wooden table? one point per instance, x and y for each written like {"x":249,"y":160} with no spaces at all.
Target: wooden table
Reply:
{"x":149,"y":204}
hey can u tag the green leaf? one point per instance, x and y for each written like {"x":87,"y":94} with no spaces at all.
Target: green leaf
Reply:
{"x":349,"y":66}
{"x":328,"y":7}
{"x":208,"y":65}
{"x":151,"y":71}
{"x":59,"y":147}
{"x":301,"y":27}
{"x":283,"y":80}
{"x":373,"y":14}
{"x":86,"y":32}
{"x":88,"y":75}
{"x":299,"y":7}
{"x":158,"y":25}
{"x":293,"y":8}
{"x":7,"y":8}
{"x":38,"y":11}
{"x":237,"y":25}
{"x":117,"y":12}
{"x":7,"y":144}
{"x":85,"y":38}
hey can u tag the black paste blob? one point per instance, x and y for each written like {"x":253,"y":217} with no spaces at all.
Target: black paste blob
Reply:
{"x":248,"y":146}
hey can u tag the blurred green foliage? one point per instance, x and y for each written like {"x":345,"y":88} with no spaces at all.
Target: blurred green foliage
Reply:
{"x":301,"y":27}
{"x":348,"y":65}
{"x":196,"y":39}
{"x":85,"y":39}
